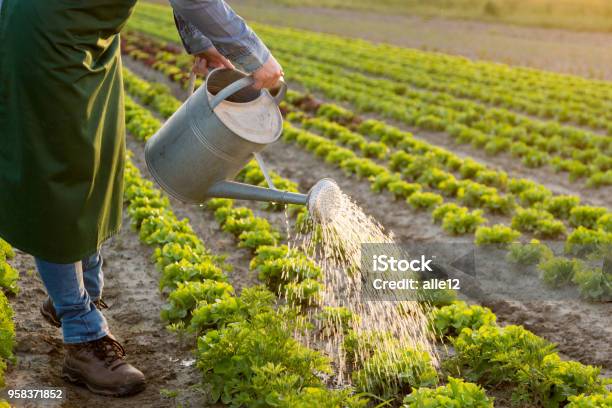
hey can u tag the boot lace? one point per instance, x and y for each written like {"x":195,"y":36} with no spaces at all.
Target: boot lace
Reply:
{"x":107,"y":349}
{"x":100,"y":304}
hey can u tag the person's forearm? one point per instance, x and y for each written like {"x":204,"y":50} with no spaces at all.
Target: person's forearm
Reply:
{"x":193,"y":40}
{"x":226,"y":30}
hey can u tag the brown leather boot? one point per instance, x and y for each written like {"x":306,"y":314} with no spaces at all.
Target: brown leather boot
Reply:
{"x":48,"y":311}
{"x":100,"y":365}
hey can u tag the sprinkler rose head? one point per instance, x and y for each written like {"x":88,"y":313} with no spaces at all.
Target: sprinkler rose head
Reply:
{"x":324,"y":200}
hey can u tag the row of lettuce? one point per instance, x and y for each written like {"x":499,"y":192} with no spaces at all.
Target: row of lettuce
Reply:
{"x":395,"y":161}
{"x":567,"y":149}
{"x":8,"y":286}
{"x":380,"y":375}
{"x":245,"y":351}
{"x":564,"y":149}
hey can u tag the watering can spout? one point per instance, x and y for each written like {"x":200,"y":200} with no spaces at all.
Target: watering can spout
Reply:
{"x":241,"y":191}
{"x":323,"y":200}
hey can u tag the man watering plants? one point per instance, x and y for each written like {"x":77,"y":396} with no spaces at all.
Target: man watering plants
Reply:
{"x":62,"y":152}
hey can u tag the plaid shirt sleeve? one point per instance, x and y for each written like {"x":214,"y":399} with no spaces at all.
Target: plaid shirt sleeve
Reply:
{"x":194,"y":41}
{"x":202,"y":23}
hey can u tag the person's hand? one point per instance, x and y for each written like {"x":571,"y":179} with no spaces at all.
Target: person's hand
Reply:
{"x":268,"y":74}
{"x":210,"y":58}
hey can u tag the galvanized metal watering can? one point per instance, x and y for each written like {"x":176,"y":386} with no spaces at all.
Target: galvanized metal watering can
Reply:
{"x":214,"y":134}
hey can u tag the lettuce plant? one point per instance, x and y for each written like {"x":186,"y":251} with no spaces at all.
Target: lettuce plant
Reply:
{"x":472,"y":194}
{"x":425,"y":200}
{"x":335,"y":113}
{"x":499,"y":204}
{"x":381,"y":181}
{"x":183,"y":299}
{"x":594,"y":284}
{"x":604,"y":223}
{"x":539,"y":222}
{"x":583,"y":241}
{"x":558,"y":272}
{"x":256,"y":362}
{"x":450,"y":320}
{"x":389,"y":373}
{"x":514,"y":356}
{"x":403,"y":189}
{"x":600,"y":179}
{"x":456,"y":393}
{"x":586,"y":216}
{"x":534,"y":195}
{"x":599,"y":400}
{"x":441,"y":211}
{"x":7,"y":335}
{"x":497,"y":235}
{"x":560,"y":206}
{"x":6,"y":251}
{"x":183,"y":271}
{"x":528,"y":254}
{"x":231,"y":309}
{"x":462,"y":221}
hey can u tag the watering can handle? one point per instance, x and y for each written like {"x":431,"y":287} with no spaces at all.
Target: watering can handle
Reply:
{"x":241,"y":84}
{"x":230,"y":90}
{"x":191,"y":84}
{"x":280,"y":95}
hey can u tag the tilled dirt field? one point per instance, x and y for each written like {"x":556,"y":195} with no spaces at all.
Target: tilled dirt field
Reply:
{"x":581,"y":329}
{"x":558,"y":183}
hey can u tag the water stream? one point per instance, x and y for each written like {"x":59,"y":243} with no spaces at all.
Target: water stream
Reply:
{"x":336,"y":245}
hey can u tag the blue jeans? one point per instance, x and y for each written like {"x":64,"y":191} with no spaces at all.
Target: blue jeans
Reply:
{"x":72,"y":288}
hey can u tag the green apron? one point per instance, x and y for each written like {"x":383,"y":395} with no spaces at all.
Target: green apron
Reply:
{"x":62,"y":136}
